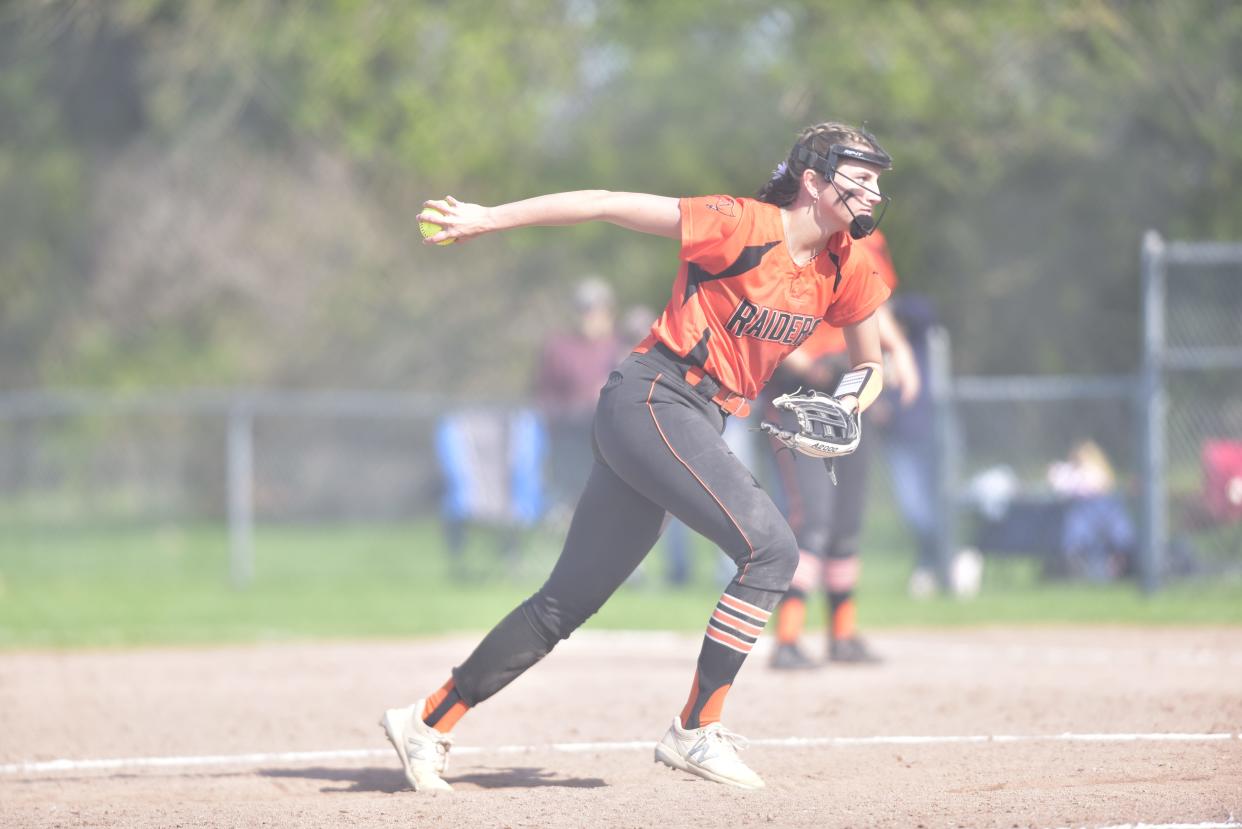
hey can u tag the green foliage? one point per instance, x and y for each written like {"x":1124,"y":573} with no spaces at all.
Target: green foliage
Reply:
{"x":1035,"y":142}
{"x":41,"y":189}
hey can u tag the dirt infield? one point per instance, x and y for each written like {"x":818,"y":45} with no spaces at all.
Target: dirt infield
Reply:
{"x":285,"y":735}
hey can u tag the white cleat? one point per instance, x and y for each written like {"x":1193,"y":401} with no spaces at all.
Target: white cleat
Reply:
{"x":422,"y":749}
{"x":709,"y":752}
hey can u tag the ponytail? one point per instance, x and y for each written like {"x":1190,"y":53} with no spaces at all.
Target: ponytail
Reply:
{"x":781,"y":189}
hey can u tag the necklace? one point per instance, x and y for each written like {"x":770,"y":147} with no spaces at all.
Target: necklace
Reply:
{"x":815,"y":256}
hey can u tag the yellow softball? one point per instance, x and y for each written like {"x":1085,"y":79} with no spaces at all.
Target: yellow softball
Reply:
{"x":431,"y":228}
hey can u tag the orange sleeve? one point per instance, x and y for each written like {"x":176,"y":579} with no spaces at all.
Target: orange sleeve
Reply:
{"x":707,"y":222}
{"x":862,"y":290}
{"x":877,"y":246}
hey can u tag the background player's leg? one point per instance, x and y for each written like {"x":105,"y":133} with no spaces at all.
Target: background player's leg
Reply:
{"x":912,"y":469}
{"x":809,"y":500}
{"x":842,"y":566}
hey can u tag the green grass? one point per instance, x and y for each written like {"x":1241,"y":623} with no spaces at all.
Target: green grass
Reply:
{"x":122,"y":584}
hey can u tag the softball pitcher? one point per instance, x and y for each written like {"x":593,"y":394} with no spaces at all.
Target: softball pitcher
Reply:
{"x":756,"y":278}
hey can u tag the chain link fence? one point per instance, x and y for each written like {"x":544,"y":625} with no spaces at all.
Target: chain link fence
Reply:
{"x":1046,"y":467}
{"x":1193,"y":374}
{"x":1171,"y":433}
{"x":1170,"y":436}
{"x":195,"y":457}
{"x":176,"y":456}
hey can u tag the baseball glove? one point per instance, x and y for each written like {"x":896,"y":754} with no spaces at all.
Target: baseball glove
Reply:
{"x":826,"y":427}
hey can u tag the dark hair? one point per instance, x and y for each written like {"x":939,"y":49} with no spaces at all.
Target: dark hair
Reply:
{"x":782,"y":188}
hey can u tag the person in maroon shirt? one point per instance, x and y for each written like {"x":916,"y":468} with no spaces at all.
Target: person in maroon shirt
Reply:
{"x":573,"y":365}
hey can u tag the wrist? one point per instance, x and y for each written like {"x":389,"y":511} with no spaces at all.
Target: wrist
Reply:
{"x":492,"y":219}
{"x":863,"y":383}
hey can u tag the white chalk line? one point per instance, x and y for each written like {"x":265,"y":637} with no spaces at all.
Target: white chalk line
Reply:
{"x":294,"y":758}
{"x":1230,"y":824}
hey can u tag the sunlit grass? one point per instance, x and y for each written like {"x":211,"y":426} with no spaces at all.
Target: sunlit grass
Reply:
{"x":125,"y":584}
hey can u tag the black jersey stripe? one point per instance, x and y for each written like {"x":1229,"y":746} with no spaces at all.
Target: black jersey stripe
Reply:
{"x":836,"y":261}
{"x":747,"y":260}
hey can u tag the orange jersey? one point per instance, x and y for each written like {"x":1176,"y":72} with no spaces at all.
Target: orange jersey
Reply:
{"x":740,"y":305}
{"x":828,"y":339}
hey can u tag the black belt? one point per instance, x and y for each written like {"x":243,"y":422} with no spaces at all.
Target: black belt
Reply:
{"x":703,"y":383}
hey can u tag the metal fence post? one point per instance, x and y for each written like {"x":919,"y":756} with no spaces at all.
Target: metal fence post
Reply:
{"x":241,"y":494}
{"x":1152,"y":406}
{"x":940,"y":387}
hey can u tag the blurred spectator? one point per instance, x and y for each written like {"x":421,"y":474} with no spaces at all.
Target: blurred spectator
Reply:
{"x":908,"y":435}
{"x":1078,"y":524}
{"x":573,"y":365}
{"x":1086,"y":473}
{"x":1098,"y":539}
{"x":636,"y":325}
{"x":489,"y":463}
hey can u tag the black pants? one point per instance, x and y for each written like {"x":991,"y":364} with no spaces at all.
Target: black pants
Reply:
{"x":826,"y":518}
{"x":657,"y":448}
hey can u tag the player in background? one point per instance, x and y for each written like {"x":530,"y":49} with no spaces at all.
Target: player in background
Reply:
{"x":755,"y":278}
{"x":573,"y":364}
{"x":827,"y":518}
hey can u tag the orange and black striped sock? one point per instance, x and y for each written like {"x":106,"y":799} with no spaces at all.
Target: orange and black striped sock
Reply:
{"x":732,"y":631}
{"x":444,"y":708}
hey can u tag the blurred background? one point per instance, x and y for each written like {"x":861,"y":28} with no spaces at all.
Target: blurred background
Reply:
{"x":239,"y":398}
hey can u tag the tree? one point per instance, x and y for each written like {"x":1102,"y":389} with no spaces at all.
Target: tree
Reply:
{"x":1034,"y":143}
